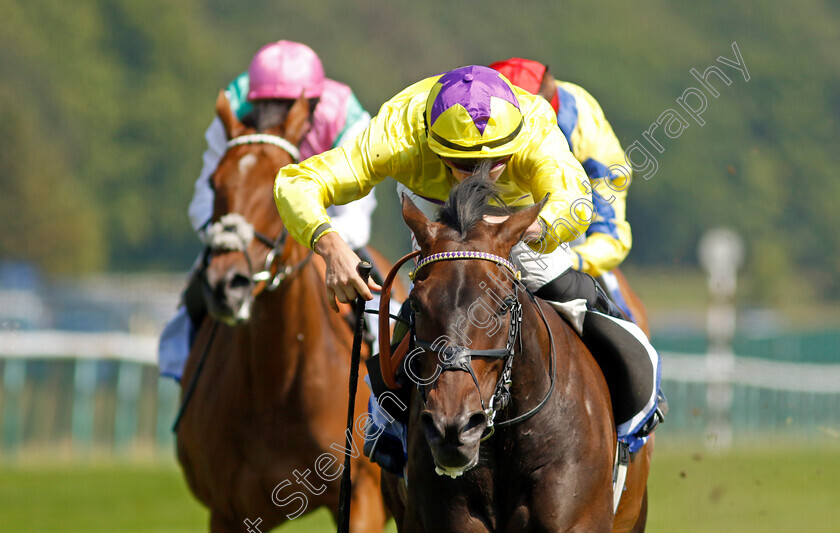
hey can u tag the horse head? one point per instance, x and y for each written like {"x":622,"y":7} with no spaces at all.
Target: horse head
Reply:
{"x":466,"y":314}
{"x":246,"y":238}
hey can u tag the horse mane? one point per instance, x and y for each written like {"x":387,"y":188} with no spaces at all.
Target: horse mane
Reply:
{"x":271,"y":113}
{"x":267,"y":114}
{"x":469,"y":201}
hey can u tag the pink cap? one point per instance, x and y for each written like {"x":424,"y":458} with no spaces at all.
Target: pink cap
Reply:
{"x":283,"y":70}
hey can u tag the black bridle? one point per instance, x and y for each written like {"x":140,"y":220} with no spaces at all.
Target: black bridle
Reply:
{"x":459,"y":358}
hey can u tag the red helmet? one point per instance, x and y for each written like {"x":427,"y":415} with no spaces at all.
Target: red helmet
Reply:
{"x":525,"y":74}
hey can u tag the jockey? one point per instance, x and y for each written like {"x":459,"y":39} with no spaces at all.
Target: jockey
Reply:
{"x":431,"y":136}
{"x":283,"y":71}
{"x":280,"y":72}
{"x":591,"y":139}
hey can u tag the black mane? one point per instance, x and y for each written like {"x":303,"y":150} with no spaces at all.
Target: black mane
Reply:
{"x":469,"y":201}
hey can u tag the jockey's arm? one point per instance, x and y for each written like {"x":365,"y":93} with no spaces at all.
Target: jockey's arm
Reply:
{"x":201,"y":205}
{"x":547,"y":167}
{"x":303,"y":192}
{"x":353,"y":221}
{"x":608,"y":238}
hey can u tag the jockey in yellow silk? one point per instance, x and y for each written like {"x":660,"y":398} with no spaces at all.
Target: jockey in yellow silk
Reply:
{"x":592,"y":141}
{"x":428,"y":138}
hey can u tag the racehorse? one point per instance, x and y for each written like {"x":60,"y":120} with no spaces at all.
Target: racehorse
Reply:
{"x":262,"y":439}
{"x":510,"y":425}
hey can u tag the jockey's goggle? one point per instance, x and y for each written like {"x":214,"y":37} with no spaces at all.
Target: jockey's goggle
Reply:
{"x":470,"y":164}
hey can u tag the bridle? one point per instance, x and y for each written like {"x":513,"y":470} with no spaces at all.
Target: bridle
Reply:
{"x":460,"y":357}
{"x":232,"y":232}
{"x":266,"y":138}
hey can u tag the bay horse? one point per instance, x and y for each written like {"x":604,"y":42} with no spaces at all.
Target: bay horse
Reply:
{"x":547,"y":462}
{"x":262,"y":437}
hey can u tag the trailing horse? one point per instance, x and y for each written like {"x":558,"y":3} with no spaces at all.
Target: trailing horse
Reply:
{"x":262,"y":436}
{"x":510,"y":426}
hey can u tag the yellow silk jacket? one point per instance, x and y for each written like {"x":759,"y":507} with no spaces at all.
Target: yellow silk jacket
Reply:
{"x":394,"y":144}
{"x":593,"y":143}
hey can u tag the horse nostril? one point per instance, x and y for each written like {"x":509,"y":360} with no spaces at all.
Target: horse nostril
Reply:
{"x":238,"y":282}
{"x":433,"y":431}
{"x":476,"y":421}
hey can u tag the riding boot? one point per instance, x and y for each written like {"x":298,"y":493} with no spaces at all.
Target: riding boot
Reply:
{"x":386,"y":436}
{"x":658,"y":415}
{"x":604,"y":304}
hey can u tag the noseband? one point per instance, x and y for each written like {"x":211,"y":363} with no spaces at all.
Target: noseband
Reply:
{"x":459,"y":357}
{"x":232,"y":233}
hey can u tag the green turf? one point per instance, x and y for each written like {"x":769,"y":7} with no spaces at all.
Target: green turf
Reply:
{"x":772,"y":490}
{"x":747,"y":491}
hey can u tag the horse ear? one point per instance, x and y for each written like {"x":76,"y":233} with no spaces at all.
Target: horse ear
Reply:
{"x":425,"y":231}
{"x":232,"y":125}
{"x":297,"y":121}
{"x":513,"y":229}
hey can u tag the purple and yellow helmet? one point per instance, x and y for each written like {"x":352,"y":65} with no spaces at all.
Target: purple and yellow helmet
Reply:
{"x":473,"y":112}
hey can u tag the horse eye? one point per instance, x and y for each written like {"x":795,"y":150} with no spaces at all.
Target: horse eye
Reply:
{"x":506,"y":305}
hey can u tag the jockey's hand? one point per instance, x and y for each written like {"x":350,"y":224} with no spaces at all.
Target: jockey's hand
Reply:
{"x":533,"y":232}
{"x":342,"y":280}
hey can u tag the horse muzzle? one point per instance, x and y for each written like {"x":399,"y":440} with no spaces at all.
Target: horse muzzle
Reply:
{"x":454,"y":441}
{"x":228,"y":295}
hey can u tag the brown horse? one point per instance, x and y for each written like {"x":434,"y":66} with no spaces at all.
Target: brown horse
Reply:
{"x":547,"y":462}
{"x":262,"y":438}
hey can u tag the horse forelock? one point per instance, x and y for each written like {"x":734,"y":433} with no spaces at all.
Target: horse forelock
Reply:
{"x":470,"y":201}
{"x":243,"y":183}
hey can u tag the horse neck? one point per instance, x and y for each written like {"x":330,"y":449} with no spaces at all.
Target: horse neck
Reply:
{"x":540,"y":358}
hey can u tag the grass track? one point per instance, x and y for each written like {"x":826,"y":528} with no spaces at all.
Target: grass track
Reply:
{"x":769,"y":490}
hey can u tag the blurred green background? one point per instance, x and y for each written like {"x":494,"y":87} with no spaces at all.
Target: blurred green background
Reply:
{"x":106,"y":103}
{"x":103,"y":107}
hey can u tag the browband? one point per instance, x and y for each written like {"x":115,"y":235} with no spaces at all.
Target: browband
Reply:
{"x":265,"y":138}
{"x":448,"y":256}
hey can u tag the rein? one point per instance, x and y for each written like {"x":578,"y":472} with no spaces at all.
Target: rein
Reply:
{"x":232,"y":233}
